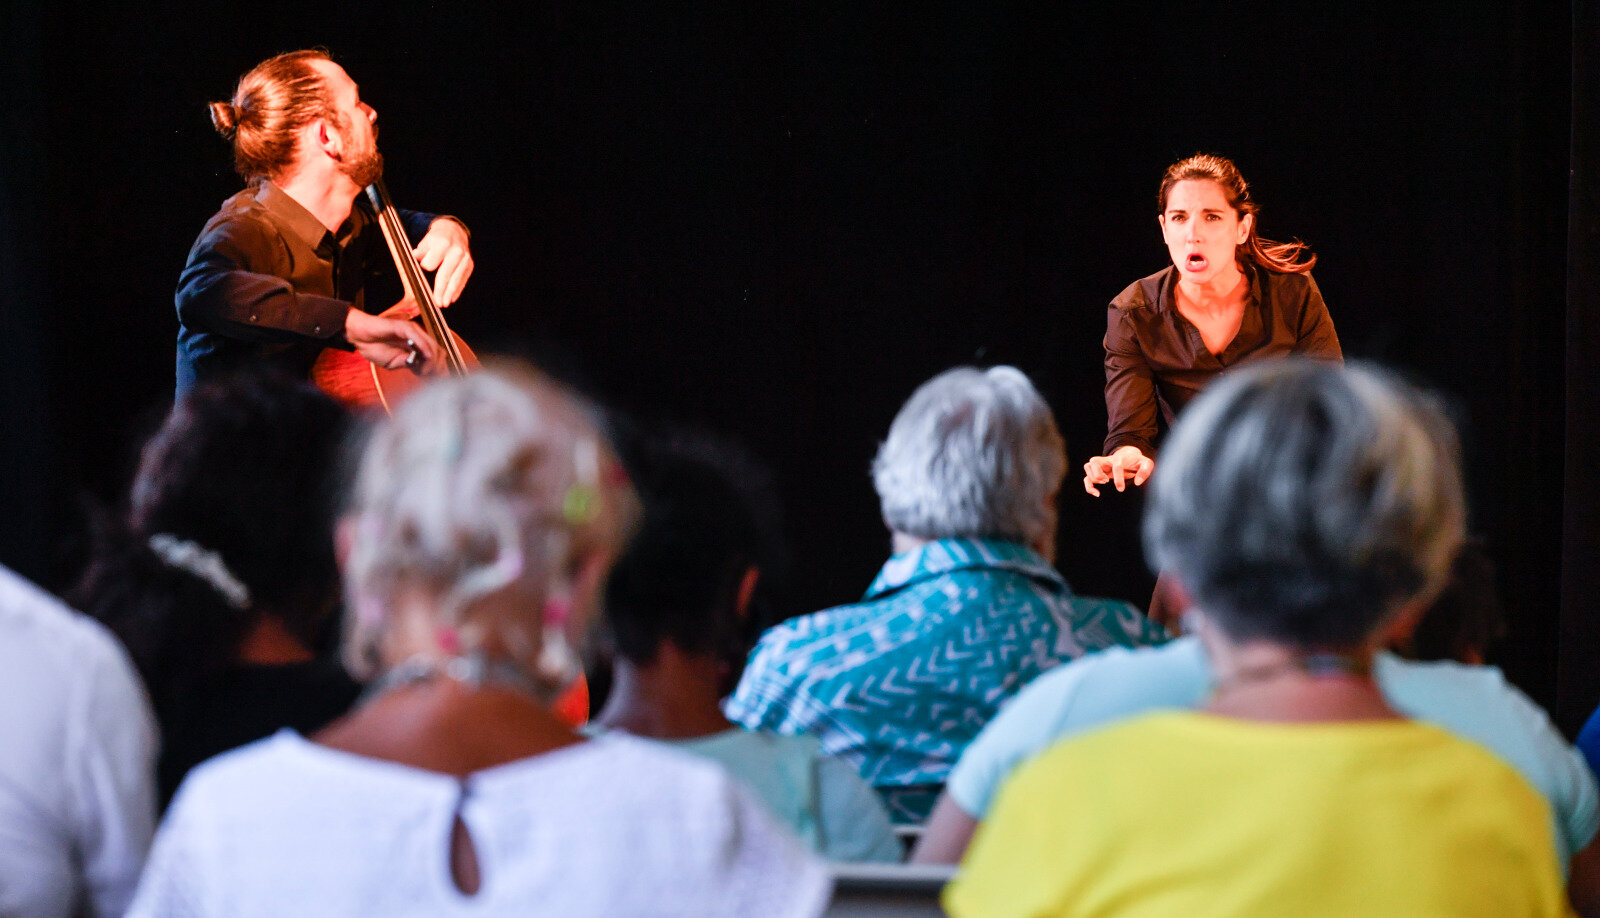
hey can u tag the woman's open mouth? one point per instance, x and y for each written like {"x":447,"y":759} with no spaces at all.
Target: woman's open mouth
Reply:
{"x":1195,"y":262}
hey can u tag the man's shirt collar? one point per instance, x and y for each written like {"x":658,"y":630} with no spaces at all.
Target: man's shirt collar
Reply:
{"x":299,"y":221}
{"x":942,"y":556}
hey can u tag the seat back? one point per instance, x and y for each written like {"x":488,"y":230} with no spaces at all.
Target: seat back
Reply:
{"x":888,"y":890}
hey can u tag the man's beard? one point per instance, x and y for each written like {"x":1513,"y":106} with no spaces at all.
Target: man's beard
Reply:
{"x":365,"y":168}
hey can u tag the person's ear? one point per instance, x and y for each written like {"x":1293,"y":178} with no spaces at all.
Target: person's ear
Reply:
{"x":1175,"y":593}
{"x":589,"y":578}
{"x":1245,"y":223}
{"x":344,"y":540}
{"x":1398,"y":633}
{"x":1045,"y":544}
{"x":747,"y":590}
{"x":321,"y":135}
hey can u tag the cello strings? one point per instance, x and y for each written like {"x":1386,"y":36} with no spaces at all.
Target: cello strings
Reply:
{"x":413,"y":278}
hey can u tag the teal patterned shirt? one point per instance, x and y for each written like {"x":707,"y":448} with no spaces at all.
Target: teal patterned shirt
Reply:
{"x":899,"y":683}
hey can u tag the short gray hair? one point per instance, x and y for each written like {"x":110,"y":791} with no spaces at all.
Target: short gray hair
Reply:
{"x":474,"y":485}
{"x":1305,"y":502}
{"x":972,"y":453}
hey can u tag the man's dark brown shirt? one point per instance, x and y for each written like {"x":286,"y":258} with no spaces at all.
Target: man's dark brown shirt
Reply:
{"x":266,"y":281}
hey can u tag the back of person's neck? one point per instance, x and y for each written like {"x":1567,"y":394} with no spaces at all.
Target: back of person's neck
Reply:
{"x":1266,"y":681}
{"x":902,"y":543}
{"x":675,"y":696}
{"x":445,"y":726}
{"x":1303,"y":698}
{"x":324,"y":191}
{"x":269,"y":643}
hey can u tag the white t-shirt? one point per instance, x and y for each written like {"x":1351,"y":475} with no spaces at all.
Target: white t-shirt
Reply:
{"x":613,"y":826}
{"x":77,"y":760}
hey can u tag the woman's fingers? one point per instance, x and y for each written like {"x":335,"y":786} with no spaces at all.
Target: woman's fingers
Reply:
{"x":1120,"y":468}
{"x":1129,"y":462}
{"x":1144,"y":470}
{"x":1096,"y":471}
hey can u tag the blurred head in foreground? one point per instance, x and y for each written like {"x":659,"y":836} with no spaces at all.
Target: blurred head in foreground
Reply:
{"x":485,"y":515}
{"x":1308,"y":504}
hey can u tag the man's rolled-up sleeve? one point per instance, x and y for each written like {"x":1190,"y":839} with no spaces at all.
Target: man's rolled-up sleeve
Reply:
{"x":229,"y":288}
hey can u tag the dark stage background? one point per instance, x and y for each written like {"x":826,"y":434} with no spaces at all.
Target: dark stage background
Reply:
{"x":777,"y":219}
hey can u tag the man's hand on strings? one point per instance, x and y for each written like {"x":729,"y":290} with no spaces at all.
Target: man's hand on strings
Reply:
{"x":445,"y":251}
{"x":1124,"y":463}
{"x":388,"y":341}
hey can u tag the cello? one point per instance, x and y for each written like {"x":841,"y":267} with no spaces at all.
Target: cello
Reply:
{"x":352,"y":379}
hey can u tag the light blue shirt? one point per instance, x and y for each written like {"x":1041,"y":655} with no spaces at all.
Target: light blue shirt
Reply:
{"x":820,"y":797}
{"x":900,"y":682}
{"x":1472,"y":702}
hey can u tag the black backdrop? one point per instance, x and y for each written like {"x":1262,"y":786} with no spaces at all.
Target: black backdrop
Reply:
{"x":776,"y":219}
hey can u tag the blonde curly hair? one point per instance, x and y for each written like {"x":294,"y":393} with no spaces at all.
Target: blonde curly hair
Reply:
{"x":491,"y":482}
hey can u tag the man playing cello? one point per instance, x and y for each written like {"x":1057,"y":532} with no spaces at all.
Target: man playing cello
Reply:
{"x":277,"y":274}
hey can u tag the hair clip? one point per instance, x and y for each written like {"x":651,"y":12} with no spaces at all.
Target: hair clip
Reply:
{"x":208,"y":566}
{"x":580,"y":504}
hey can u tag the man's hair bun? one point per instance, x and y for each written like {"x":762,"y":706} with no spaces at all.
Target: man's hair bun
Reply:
{"x":224,"y":119}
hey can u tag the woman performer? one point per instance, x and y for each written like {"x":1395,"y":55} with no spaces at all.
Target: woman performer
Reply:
{"x":1228,"y":297}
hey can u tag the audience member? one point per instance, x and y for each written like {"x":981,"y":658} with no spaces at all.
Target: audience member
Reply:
{"x":1304,"y":509}
{"x":1589,"y":741}
{"x":965,"y":613}
{"x":220,"y":578}
{"x":484,"y":520}
{"x":77,"y":767}
{"x":1474,"y":702}
{"x":677,"y":608}
{"x":1465,"y":619}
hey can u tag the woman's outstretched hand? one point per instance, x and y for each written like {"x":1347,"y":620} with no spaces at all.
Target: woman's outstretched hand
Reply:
{"x":1123,"y":463}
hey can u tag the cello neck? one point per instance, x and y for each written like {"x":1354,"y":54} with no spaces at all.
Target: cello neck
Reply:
{"x":413,"y":280}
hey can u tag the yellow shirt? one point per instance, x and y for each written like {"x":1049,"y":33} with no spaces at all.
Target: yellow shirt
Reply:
{"x":1185,"y":814}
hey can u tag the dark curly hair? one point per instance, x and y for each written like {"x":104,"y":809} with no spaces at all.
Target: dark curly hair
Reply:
{"x":710,"y":514}
{"x":243,"y":467}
